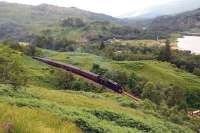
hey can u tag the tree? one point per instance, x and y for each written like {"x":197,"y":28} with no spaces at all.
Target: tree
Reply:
{"x":98,"y":70}
{"x":11,"y":70}
{"x":102,"y":45}
{"x":63,"y":79}
{"x":132,"y":81}
{"x":196,"y":71}
{"x":73,"y":22}
{"x":175,"y":96}
{"x":148,"y":90}
{"x":153,"y":92}
{"x":165,"y":53}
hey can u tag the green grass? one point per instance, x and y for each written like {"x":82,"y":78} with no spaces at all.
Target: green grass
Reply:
{"x":157,"y":72}
{"x":100,"y":114}
{"x":40,"y":107}
{"x":27,"y":120}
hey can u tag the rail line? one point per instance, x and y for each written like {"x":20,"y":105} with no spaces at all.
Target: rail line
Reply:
{"x":89,"y":75}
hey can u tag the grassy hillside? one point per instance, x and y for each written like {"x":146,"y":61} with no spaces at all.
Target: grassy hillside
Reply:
{"x":39,"y":107}
{"x":155,"y":71}
{"x":162,"y":73}
{"x":172,"y":23}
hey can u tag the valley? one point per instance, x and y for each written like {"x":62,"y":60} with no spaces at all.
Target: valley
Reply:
{"x":148,"y":58}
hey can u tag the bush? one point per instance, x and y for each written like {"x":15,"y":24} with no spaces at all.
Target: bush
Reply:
{"x":121,"y":120}
{"x":11,"y":70}
{"x":88,"y":127}
{"x":175,"y":96}
{"x":72,"y":22}
{"x":63,"y":79}
{"x":153,"y":93}
{"x":98,"y":70}
{"x":165,"y":53}
{"x":196,"y":71}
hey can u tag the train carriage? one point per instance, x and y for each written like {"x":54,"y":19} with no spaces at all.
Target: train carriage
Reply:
{"x":88,"y":75}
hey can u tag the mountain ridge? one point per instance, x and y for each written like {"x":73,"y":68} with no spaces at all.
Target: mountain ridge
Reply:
{"x":171,"y":8}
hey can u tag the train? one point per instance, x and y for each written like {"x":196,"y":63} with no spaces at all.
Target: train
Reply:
{"x":86,"y":74}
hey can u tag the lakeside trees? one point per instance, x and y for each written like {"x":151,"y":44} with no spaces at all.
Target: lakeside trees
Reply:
{"x":165,"y":52}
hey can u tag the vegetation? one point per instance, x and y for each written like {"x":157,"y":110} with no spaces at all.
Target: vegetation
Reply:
{"x":35,"y":97}
{"x":79,"y":111}
{"x":165,"y":53}
{"x":160,"y":73}
{"x":66,"y":81}
{"x":11,"y":70}
{"x":121,"y":50}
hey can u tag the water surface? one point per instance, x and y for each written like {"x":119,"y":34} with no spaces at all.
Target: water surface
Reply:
{"x":191,"y":43}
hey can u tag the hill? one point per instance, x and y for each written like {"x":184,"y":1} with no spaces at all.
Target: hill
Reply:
{"x":154,"y":71}
{"x":24,"y":21}
{"x":181,"y":22}
{"x":45,"y":14}
{"x":42,"y":105}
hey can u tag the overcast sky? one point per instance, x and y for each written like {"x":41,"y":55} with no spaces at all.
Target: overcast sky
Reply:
{"x":110,"y":7}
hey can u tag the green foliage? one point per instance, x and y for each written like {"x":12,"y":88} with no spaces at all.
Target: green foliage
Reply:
{"x":172,"y":96}
{"x":12,"y":44}
{"x":196,"y":71}
{"x":66,"y":81}
{"x":165,"y":53}
{"x":153,"y":71}
{"x":154,"y":93}
{"x":63,"y":79}
{"x":72,"y":22}
{"x":121,"y":51}
{"x":117,"y":76}
{"x":175,"y":96}
{"x":26,"y":48}
{"x":49,"y":42}
{"x":11,"y":70}
{"x":98,"y":70}
{"x":121,"y":120}
{"x":91,"y":112}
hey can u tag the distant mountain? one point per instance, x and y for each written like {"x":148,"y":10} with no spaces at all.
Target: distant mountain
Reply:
{"x":18,"y":20}
{"x":45,"y":13}
{"x":180,"y":22}
{"x":170,"y":8}
{"x":22,"y":22}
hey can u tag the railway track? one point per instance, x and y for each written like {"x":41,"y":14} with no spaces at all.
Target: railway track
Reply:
{"x":90,"y":76}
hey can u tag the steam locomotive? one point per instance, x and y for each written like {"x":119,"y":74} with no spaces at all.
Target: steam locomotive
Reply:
{"x":88,"y":75}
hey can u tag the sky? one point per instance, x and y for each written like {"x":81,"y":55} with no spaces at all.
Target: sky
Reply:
{"x":110,"y":7}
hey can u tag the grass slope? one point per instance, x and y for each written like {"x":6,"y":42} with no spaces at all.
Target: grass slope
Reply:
{"x":39,"y":107}
{"x":157,"y":72}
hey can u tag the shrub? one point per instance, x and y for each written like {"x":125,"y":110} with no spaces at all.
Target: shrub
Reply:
{"x":153,"y":93}
{"x":165,"y":53}
{"x":175,"y":96}
{"x":88,"y":127}
{"x":63,"y":79}
{"x":196,"y":71}
{"x":72,"y":22}
{"x":98,"y":70}
{"x":11,"y":70}
{"x":121,"y":120}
